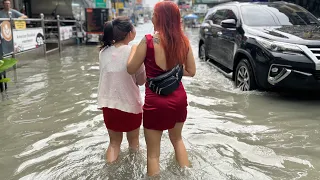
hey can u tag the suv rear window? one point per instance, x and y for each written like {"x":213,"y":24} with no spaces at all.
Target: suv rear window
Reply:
{"x":276,"y":14}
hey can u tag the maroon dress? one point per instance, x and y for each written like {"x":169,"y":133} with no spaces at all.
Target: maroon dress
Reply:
{"x":161,"y":112}
{"x":120,"y":121}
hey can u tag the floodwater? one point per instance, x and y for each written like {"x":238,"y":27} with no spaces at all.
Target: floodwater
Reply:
{"x":50,"y":127}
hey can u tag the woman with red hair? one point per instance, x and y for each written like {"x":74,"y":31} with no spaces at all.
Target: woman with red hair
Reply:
{"x":167,"y":55}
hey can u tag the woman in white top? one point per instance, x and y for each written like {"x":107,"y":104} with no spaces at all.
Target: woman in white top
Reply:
{"x":118,"y":92}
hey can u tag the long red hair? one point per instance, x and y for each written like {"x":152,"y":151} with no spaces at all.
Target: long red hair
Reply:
{"x":168,"y":24}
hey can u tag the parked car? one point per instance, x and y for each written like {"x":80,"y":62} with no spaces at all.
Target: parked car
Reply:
{"x":263,"y":45}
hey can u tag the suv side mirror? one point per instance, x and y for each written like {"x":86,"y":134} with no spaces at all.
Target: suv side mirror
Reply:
{"x":229,"y":23}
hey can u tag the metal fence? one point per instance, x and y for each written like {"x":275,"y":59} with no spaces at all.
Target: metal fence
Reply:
{"x":52,"y":32}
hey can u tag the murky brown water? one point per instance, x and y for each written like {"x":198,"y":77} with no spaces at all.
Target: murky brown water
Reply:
{"x":50,"y":127}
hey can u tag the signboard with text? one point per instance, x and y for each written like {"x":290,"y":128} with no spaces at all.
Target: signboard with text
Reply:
{"x":119,"y":5}
{"x":101,"y":3}
{"x":95,"y":19}
{"x":20,"y":24}
{"x":27,"y":39}
{"x":66,"y":32}
{"x":200,"y":8}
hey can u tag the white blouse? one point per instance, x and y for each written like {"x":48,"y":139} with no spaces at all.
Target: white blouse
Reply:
{"x":117,"y":88}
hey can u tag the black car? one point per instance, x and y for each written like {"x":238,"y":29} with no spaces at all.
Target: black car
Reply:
{"x":263,"y":45}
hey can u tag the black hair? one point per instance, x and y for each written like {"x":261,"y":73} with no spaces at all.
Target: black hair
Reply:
{"x":115,"y":31}
{"x":41,"y":36}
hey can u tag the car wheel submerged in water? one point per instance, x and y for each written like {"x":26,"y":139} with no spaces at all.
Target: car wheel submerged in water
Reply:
{"x":244,"y":77}
{"x":202,"y":52}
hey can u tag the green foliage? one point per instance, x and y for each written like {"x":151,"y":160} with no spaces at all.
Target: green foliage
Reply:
{"x":5,"y":80}
{"x":201,"y":19}
{"x":7,"y":63}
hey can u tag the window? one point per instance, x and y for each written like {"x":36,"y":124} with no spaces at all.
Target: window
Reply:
{"x":218,"y":16}
{"x":276,"y":15}
{"x":210,"y":14}
{"x":230,"y":15}
{"x":223,"y":14}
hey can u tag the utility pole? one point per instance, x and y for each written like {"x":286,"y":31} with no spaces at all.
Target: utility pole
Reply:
{"x":114,"y":7}
{"x":133,"y":11}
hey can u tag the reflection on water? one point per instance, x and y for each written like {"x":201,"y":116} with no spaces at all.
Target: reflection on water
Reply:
{"x":50,"y":127}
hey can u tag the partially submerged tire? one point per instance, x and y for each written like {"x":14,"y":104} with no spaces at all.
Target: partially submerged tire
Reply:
{"x":244,"y":77}
{"x":202,"y":53}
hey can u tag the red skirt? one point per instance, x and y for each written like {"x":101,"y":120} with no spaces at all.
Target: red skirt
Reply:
{"x":163,"y":112}
{"x":120,"y":121}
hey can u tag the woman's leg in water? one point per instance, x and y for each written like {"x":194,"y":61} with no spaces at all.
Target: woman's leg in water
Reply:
{"x":179,"y":148}
{"x":153,"y":139}
{"x":114,"y":145}
{"x":133,"y":139}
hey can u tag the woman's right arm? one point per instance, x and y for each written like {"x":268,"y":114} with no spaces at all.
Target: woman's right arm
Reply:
{"x":137,"y":56}
{"x":189,"y":65}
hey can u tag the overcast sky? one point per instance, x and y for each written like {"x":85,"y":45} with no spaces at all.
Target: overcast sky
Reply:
{"x":151,"y":2}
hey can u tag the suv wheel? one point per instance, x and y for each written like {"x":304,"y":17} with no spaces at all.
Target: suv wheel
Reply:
{"x":202,"y":53}
{"x":244,"y":76}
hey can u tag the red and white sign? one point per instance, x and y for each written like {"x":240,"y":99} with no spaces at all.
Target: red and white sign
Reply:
{"x":184,"y":6}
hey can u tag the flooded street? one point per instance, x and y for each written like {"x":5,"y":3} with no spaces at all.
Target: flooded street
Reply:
{"x":50,"y":127}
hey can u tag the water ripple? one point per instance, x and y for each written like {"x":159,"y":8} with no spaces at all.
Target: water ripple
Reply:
{"x":51,"y":128}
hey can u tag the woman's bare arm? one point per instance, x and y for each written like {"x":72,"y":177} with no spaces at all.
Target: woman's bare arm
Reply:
{"x":137,"y":56}
{"x":190,"y":65}
{"x":141,"y":76}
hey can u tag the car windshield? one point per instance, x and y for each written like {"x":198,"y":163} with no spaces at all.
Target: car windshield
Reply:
{"x":275,"y":14}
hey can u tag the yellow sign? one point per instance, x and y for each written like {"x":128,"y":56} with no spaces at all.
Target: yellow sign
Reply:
{"x":119,"y":5}
{"x":20,"y":25}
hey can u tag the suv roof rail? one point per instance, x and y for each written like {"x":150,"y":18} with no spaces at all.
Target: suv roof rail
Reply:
{"x":232,"y":2}
{"x":229,"y":2}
